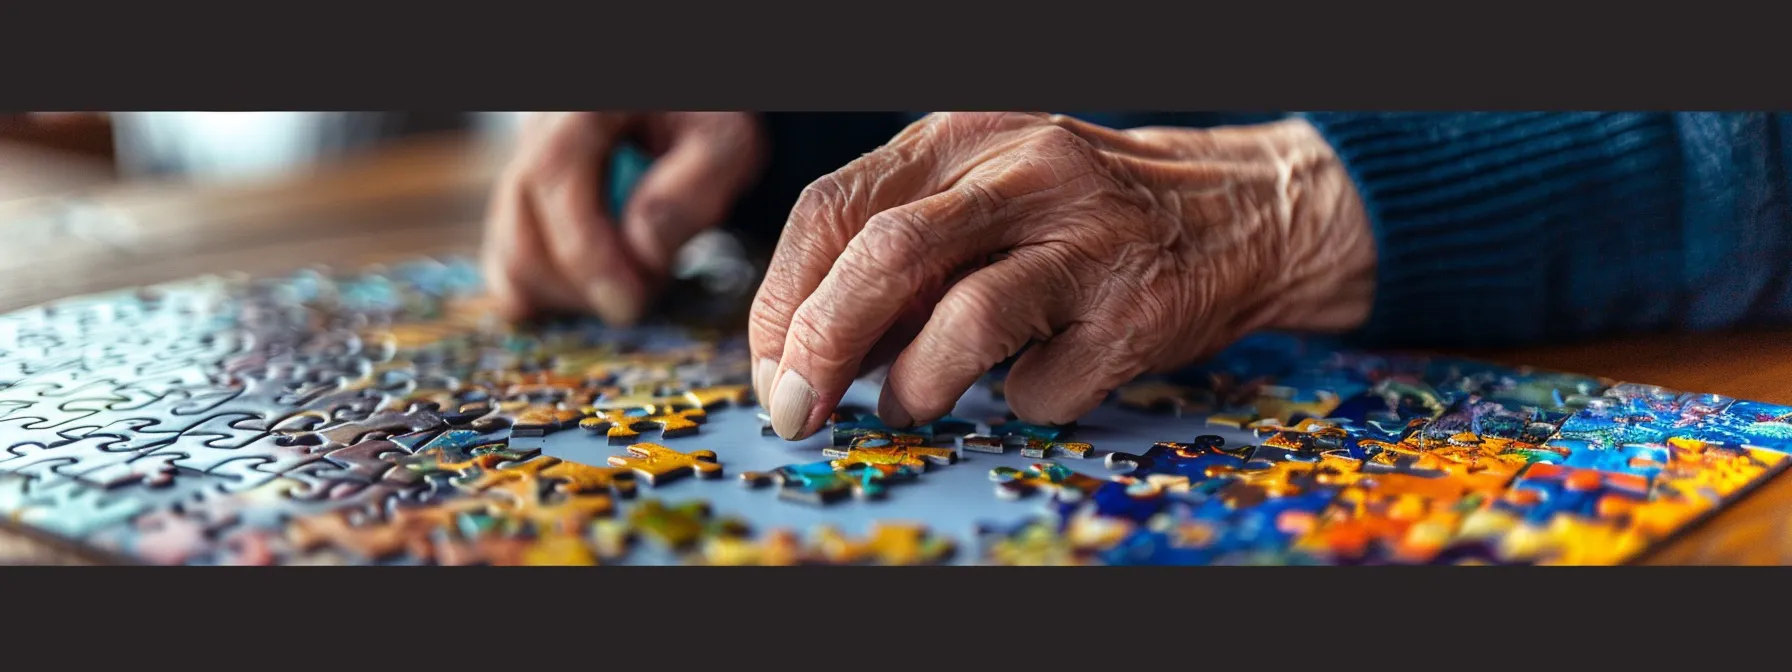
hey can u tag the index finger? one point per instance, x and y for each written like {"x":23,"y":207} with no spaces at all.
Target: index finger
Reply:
{"x":826,"y":216}
{"x":900,"y":185}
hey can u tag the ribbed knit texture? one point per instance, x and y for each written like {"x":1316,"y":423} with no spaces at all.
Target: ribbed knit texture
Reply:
{"x":1511,"y":228}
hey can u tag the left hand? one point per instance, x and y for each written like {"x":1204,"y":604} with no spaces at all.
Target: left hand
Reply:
{"x":1115,"y":253}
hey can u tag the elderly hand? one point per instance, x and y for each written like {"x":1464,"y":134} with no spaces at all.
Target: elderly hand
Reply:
{"x":550,"y":243}
{"x":970,"y":236}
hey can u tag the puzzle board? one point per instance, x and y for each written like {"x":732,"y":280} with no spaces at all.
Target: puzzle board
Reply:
{"x":383,"y":417}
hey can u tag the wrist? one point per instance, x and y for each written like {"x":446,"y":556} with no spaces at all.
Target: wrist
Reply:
{"x":1326,"y":263}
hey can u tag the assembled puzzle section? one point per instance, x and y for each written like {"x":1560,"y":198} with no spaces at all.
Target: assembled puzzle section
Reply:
{"x":1368,"y":459}
{"x":385,"y":417}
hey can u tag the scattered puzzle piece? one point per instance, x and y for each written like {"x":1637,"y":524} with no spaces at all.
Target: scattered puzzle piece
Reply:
{"x":847,"y":431}
{"x":1155,"y":396}
{"x":1058,"y":479}
{"x":622,"y":427}
{"x":874,"y":449}
{"x":779,"y":548}
{"x":680,"y":527}
{"x":823,"y":483}
{"x":657,"y":464}
{"x":1034,"y":441}
{"x":888,"y":543}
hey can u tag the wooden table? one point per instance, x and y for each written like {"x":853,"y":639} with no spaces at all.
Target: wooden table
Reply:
{"x":85,"y":234}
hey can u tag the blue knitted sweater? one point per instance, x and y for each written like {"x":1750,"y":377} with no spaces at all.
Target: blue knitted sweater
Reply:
{"x":1499,"y":229}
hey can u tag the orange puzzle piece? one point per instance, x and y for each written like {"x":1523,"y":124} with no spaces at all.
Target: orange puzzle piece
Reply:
{"x":657,"y":464}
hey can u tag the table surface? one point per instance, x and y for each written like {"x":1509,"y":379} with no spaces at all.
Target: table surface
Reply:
{"x":73,"y":230}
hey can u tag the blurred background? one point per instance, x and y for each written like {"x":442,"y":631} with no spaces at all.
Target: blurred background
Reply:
{"x":213,"y":146}
{"x":95,"y":201}
{"x":99,"y":201}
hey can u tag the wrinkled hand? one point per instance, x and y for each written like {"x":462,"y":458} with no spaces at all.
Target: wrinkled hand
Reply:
{"x":550,"y":243}
{"x":971,"y":236}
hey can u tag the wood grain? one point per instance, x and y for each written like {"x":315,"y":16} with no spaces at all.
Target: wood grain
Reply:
{"x":427,"y":197}
{"x":422,"y":197}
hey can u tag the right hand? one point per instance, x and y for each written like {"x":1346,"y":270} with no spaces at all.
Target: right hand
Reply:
{"x":551,"y":246}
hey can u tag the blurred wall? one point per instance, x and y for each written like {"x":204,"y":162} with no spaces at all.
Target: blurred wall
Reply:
{"x":233,"y":145}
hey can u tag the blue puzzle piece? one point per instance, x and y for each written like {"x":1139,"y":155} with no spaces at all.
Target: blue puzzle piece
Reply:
{"x":1190,"y":460}
{"x":1115,"y":500}
{"x":1238,"y":536}
{"x":861,"y":424}
{"x":820,"y":483}
{"x":1555,"y":496}
{"x":456,"y":442}
{"x":1639,"y":459}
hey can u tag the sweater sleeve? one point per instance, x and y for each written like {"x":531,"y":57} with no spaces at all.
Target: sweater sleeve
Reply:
{"x":804,"y":146}
{"x":1499,"y":229}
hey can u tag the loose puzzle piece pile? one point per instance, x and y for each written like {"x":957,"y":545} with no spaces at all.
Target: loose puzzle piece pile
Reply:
{"x":385,"y":417}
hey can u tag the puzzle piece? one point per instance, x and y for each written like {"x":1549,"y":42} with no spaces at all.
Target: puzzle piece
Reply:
{"x":457,"y":452}
{"x":569,"y":478}
{"x":1042,"y":542}
{"x":367,"y":460}
{"x":657,"y":464}
{"x":1118,"y":500}
{"x":1156,"y":396}
{"x":1035,"y":441}
{"x":889,"y":543}
{"x":1058,"y":479}
{"x":779,"y":548}
{"x":623,"y":427}
{"x":543,"y":419}
{"x":875,"y":449}
{"x":524,"y":502}
{"x":1545,"y":491}
{"x":982,"y":443}
{"x":64,"y":507}
{"x":682,"y":526}
{"x":350,"y":432}
{"x":720,"y":395}
{"x":850,"y":426}
{"x":1185,"y":464}
{"x":407,"y":533}
{"x":823,"y":483}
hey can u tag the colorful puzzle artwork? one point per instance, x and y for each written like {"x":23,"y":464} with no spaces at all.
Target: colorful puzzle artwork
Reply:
{"x":385,"y":417}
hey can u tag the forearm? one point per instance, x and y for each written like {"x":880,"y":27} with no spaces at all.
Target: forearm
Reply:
{"x":1501,"y":229}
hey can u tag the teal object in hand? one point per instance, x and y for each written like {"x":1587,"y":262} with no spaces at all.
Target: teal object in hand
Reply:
{"x":626,"y":168}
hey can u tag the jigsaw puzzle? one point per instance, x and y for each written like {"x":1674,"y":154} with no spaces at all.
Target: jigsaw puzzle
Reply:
{"x":385,"y":417}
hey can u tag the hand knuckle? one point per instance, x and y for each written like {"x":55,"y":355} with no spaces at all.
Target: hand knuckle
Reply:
{"x":901,"y":235}
{"x":821,"y":203}
{"x":881,"y":262}
{"x":971,"y":309}
{"x":1056,"y":143}
{"x":766,"y":325}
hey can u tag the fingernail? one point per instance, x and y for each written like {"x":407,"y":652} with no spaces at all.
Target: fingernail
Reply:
{"x":612,"y":303}
{"x":890,"y":411}
{"x":762,"y":380}
{"x":792,"y":403}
